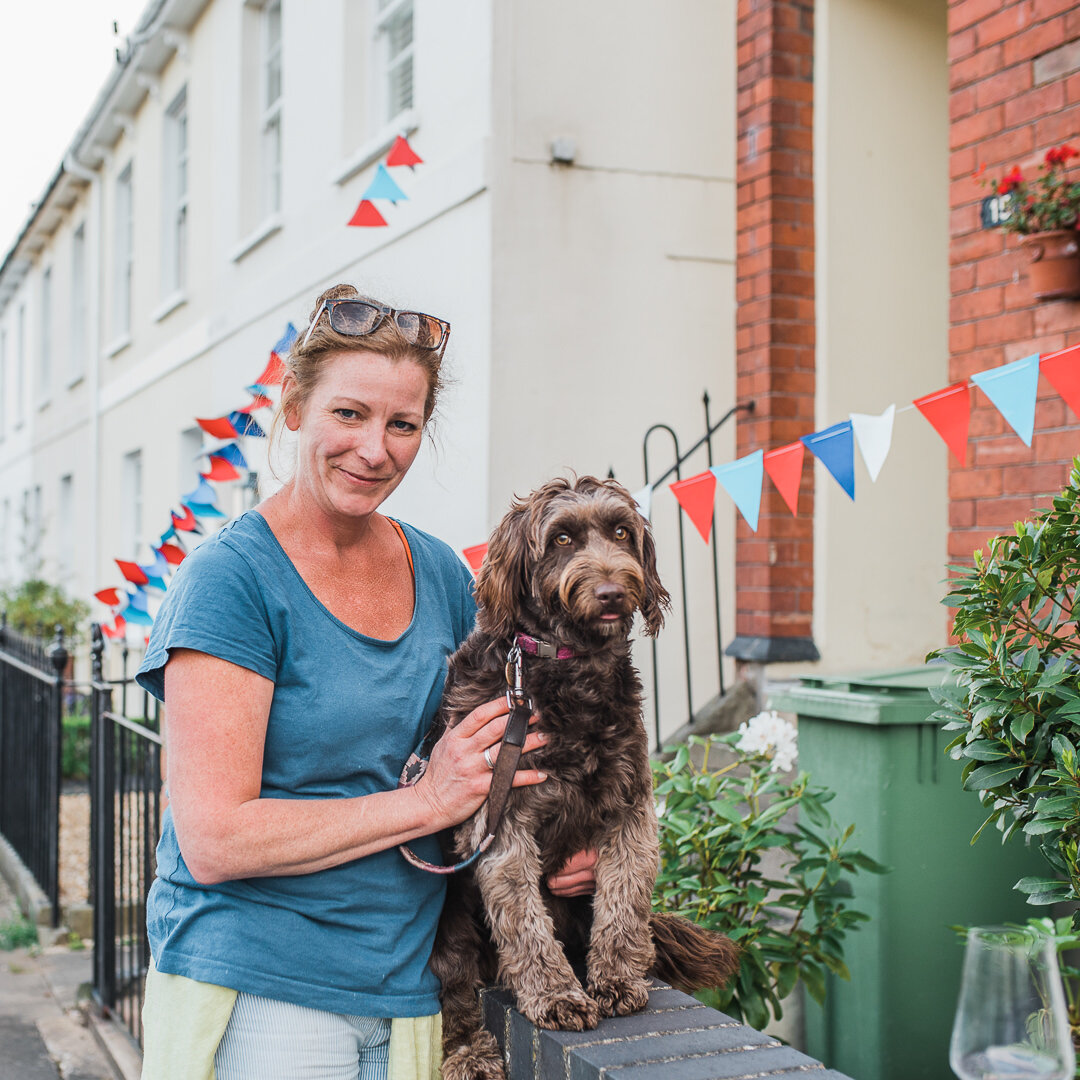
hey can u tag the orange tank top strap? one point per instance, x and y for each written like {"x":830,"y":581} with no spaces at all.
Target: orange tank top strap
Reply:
{"x":405,"y":540}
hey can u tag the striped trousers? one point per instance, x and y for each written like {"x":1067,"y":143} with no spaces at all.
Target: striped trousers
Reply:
{"x":274,"y":1040}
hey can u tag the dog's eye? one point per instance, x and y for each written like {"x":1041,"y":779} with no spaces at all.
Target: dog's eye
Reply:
{"x":622,"y":532}
{"x":563,"y":540}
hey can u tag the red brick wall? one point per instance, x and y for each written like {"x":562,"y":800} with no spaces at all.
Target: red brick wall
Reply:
{"x":775,"y":292}
{"x":1015,"y":92}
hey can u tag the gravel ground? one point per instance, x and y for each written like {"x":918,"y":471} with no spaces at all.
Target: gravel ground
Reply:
{"x":74,"y":845}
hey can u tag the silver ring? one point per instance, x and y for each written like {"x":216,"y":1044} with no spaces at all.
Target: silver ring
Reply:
{"x":487,"y":758}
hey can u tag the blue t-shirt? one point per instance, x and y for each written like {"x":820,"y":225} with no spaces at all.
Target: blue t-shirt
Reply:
{"x":347,"y":711}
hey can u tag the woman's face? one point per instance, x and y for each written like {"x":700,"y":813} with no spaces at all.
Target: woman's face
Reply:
{"x":359,"y":431}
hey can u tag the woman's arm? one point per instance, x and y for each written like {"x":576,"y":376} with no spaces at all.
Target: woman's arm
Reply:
{"x":215,"y":732}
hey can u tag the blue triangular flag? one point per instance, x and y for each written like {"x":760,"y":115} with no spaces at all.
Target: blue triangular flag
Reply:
{"x":1013,"y":389}
{"x":137,"y":599}
{"x":382,"y":186}
{"x":159,"y":568}
{"x":285,"y":342}
{"x":834,"y":447}
{"x":167,"y":535}
{"x":244,"y":425}
{"x":231,"y":453}
{"x":204,"y":510}
{"x":204,"y":493}
{"x":134,"y":615}
{"x":741,"y":479}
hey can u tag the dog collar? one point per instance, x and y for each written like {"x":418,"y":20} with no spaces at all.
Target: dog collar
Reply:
{"x":543,"y":649}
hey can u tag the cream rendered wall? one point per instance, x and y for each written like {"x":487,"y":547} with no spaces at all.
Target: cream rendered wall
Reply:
{"x":613,"y":279}
{"x":196,"y":360}
{"x":881,"y":176}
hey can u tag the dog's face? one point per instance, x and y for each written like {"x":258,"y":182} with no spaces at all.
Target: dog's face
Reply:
{"x":577,"y":559}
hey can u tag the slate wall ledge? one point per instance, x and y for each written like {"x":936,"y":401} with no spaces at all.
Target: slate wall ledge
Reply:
{"x":676,"y":1036}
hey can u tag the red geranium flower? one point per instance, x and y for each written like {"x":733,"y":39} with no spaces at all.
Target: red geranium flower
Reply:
{"x":1011,"y":180}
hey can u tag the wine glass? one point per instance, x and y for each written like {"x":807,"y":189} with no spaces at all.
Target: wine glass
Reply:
{"x":1011,"y":1022}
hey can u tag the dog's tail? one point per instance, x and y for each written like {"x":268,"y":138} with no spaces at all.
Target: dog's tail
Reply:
{"x":690,"y":957}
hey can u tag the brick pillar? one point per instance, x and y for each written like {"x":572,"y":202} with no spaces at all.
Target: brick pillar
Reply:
{"x":774,"y":568}
{"x":1014,"y":76}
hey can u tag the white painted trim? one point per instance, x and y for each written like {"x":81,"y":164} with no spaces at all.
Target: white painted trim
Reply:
{"x":270,"y":225}
{"x":405,"y":124}
{"x":118,"y":345}
{"x":169,"y":305}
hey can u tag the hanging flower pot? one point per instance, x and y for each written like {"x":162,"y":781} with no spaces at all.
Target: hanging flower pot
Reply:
{"x":1053,"y":264}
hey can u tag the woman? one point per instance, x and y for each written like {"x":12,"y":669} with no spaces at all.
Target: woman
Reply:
{"x":301,"y":653}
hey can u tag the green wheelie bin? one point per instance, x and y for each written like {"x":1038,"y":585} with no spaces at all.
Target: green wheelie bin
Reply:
{"x":870,"y":738}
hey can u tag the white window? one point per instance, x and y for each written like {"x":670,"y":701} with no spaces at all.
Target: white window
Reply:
{"x":131,"y":521}
{"x":5,"y":542}
{"x":175,"y":197}
{"x":33,"y":526}
{"x":3,"y":383}
{"x":191,"y":448}
{"x":123,"y":253}
{"x":65,"y":522}
{"x":45,"y":368}
{"x":77,"y":355}
{"x":271,"y":108}
{"x":20,"y":366}
{"x":394,"y":50}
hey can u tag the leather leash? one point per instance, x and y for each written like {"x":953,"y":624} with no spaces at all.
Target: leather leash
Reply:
{"x":502,"y":777}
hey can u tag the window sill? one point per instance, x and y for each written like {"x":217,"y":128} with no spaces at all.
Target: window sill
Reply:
{"x":43,"y":403}
{"x":169,"y":305}
{"x":117,"y":346}
{"x":267,"y":229}
{"x":405,"y":123}
{"x":75,"y":380}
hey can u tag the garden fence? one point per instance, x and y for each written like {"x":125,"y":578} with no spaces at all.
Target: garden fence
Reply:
{"x":125,"y":820}
{"x":31,"y":737}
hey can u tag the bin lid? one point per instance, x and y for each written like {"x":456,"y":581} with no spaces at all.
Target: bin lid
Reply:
{"x":897,"y":696}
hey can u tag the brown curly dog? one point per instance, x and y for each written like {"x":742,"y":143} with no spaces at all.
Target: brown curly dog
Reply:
{"x":567,"y":567}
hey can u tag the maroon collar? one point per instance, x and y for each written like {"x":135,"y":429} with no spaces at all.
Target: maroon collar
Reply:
{"x":535,"y":647}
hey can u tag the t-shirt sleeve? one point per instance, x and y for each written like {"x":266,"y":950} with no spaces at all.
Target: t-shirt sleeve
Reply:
{"x":213,"y":605}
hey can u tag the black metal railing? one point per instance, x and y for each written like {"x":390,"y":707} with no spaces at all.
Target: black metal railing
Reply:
{"x":31,"y":739}
{"x":675,"y":471}
{"x":125,"y":821}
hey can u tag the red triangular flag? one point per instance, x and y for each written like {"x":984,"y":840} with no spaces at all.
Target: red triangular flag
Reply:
{"x":110,"y":597}
{"x":272,"y":374}
{"x":1062,"y":371}
{"x":949,"y":411}
{"x":474,"y":555}
{"x":117,"y":629}
{"x":261,"y":401}
{"x":367,"y":214}
{"x":220,"y":428}
{"x":187,"y":523}
{"x":172,"y":553}
{"x":697,"y":496}
{"x":784,"y":466}
{"x":220,"y":469}
{"x":401,"y":153}
{"x":132,"y":572}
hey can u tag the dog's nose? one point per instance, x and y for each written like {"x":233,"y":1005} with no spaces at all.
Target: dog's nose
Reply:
{"x":610,"y":595}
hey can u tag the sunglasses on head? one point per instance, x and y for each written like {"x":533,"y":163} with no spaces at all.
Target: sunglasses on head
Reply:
{"x":354,"y":317}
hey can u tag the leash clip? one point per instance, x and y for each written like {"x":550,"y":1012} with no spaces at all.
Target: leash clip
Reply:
{"x":515,"y":689}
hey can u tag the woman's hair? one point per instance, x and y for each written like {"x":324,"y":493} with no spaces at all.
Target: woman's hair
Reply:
{"x":306,"y":359}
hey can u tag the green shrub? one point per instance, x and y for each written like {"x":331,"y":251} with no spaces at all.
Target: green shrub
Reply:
{"x":35,"y":608}
{"x":716,"y":824}
{"x":17,"y":933}
{"x":75,"y":756}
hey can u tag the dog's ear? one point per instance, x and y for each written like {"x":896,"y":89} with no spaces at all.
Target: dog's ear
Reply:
{"x":657,"y":600}
{"x":501,"y":582}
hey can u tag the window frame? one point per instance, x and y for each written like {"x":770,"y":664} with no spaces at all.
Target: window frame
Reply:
{"x":176,"y":152}
{"x":45,"y":341}
{"x":271,"y":155}
{"x":79,"y":306}
{"x":123,"y":250}
{"x":386,"y":13}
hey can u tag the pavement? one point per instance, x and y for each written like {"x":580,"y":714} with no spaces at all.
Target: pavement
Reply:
{"x":45,"y":1028}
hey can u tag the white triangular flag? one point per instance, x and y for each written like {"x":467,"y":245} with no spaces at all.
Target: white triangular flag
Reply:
{"x":874,"y":436}
{"x":643,"y":498}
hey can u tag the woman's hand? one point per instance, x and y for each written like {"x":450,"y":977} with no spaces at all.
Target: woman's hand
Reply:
{"x":458,"y":777}
{"x":577,"y":877}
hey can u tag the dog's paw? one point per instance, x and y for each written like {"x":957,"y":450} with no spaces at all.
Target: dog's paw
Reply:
{"x":479,"y":1059}
{"x":619,"y":997}
{"x":572,"y":1010}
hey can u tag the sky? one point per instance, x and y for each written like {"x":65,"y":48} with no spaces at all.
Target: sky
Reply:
{"x":54,"y":58}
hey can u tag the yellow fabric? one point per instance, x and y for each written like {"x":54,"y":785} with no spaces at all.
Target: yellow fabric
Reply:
{"x":184,"y":1020}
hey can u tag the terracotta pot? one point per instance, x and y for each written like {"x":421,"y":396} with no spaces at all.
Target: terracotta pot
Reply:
{"x":1054,"y":270}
